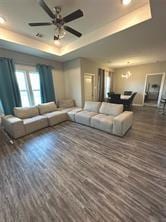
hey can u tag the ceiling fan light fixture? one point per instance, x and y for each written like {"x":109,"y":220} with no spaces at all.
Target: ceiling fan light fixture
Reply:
{"x":126,"y":2}
{"x":127,"y":75}
{"x":60,"y":33}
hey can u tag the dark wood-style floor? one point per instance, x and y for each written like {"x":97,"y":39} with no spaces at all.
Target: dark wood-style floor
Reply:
{"x":73,"y":173}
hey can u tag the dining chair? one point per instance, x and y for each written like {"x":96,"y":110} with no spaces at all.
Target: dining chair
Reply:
{"x":115,"y":98}
{"x":162,"y":105}
{"x":128,"y":103}
{"x":109,"y":94}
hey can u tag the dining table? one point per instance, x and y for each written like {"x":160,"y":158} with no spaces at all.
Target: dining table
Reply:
{"x":125,"y":97}
{"x":122,"y":96}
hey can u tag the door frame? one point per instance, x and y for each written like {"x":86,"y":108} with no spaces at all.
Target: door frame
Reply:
{"x":161,"y":86}
{"x":93,"y":86}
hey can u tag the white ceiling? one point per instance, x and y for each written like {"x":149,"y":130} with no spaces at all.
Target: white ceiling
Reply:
{"x":142,"y":43}
{"x":97,"y":13}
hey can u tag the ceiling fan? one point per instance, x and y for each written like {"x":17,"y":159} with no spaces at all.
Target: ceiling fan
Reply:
{"x":59,"y":21}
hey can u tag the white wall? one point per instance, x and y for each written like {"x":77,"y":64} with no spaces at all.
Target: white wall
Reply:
{"x":72,"y":76}
{"x":137,"y":81}
{"x":25,"y":59}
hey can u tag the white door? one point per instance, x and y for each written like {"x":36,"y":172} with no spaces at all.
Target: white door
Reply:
{"x":88,"y":87}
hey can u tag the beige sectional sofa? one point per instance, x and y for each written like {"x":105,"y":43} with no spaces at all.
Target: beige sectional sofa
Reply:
{"x":104,"y":116}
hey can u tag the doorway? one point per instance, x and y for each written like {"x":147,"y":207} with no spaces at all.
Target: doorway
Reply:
{"x":153,"y":89}
{"x":89,"y":87}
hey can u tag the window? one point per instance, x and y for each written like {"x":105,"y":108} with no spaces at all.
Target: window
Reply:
{"x":29,"y":85}
{"x":1,"y":108}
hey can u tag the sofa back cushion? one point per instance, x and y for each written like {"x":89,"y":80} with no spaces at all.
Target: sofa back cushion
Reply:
{"x":47,"y":107}
{"x":92,"y":106}
{"x":26,"y":112}
{"x":111,"y":109}
{"x":66,"y":103}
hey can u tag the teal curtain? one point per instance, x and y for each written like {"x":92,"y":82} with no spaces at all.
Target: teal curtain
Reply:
{"x":9,"y":91}
{"x":46,"y":83}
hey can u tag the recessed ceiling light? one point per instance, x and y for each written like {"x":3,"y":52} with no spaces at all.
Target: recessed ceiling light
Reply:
{"x":126,"y":2}
{"x":2,"y":20}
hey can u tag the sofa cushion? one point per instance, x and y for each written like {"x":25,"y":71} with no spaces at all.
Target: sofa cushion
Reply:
{"x":102,"y":122}
{"x":66,"y":110}
{"x":66,"y":103}
{"x":84,"y":117}
{"x":71,"y":114}
{"x":35,"y":123}
{"x":92,"y":106}
{"x":111,"y":109}
{"x":47,"y":107}
{"x":56,"y":117}
{"x":26,"y":112}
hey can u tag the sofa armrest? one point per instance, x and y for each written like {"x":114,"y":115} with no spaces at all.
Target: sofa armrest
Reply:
{"x":122,"y":123}
{"x":13,"y":126}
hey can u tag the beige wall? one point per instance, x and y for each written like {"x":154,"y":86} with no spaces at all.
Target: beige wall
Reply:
{"x":25,"y":59}
{"x":69,"y":81}
{"x":137,"y":81}
{"x":67,"y":77}
{"x":88,"y":66}
{"x":59,"y":83}
{"x":72,"y":76}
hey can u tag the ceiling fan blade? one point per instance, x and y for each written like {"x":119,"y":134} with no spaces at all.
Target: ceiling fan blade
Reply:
{"x":75,"y":15}
{"x":40,"y":23}
{"x":46,"y":8}
{"x":72,"y":31}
